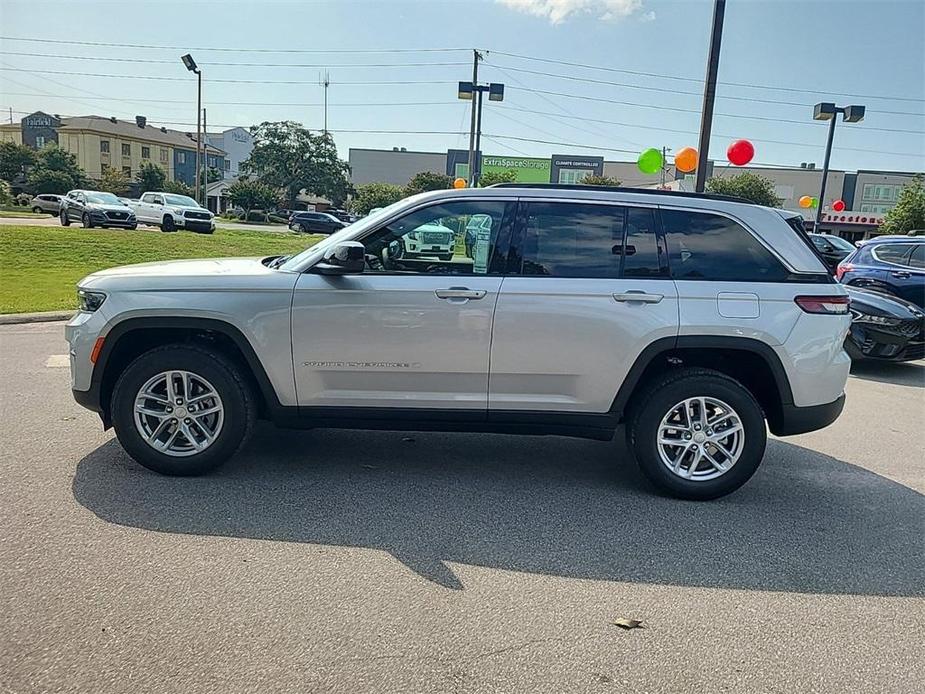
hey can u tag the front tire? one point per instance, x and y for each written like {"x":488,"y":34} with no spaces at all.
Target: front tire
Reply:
{"x":167,"y":224}
{"x":86,"y":221}
{"x":697,"y":434}
{"x":65,"y":220}
{"x":180,"y":410}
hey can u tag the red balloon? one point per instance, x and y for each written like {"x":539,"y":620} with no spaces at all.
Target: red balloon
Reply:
{"x":838,"y":205}
{"x":740,"y":152}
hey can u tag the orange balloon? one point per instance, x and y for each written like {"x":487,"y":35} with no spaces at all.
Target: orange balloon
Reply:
{"x":806,"y":201}
{"x":459,"y":183}
{"x":685,"y":160}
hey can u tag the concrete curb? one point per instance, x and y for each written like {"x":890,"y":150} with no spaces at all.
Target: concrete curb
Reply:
{"x":44,"y":317}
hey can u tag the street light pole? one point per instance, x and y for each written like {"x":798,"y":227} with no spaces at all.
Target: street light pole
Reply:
{"x":829,"y":111}
{"x":475,"y":92}
{"x":192,"y":67}
{"x":476,"y":57}
{"x":709,"y":95}
{"x":474,"y":177}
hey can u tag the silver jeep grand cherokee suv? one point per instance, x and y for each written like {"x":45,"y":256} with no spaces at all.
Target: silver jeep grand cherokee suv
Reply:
{"x":695,"y":320}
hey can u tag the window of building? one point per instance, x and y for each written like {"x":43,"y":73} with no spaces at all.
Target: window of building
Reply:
{"x":127,"y":170}
{"x":875,"y":209}
{"x":571,"y":176}
{"x":712,"y":247}
{"x":145,"y":152}
{"x":104,"y":168}
{"x":456,"y":238}
{"x":227,"y":165}
{"x":164,"y":154}
{"x":104,"y":146}
{"x":573,"y":240}
{"x":181,"y":157}
{"x":39,"y":141}
{"x":126,"y":150}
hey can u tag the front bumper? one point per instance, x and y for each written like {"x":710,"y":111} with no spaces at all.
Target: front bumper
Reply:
{"x":905,"y":342}
{"x":799,"y":420}
{"x":200,"y":225}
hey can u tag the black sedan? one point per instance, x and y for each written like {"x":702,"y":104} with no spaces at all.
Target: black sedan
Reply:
{"x":315,"y":223}
{"x":884,"y":327}
{"x":833,"y":249}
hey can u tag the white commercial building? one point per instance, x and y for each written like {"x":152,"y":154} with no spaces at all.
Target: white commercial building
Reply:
{"x":238,"y":144}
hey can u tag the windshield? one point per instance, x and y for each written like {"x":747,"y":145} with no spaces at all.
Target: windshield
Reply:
{"x":369,"y":220}
{"x":103,"y":198}
{"x":181,"y":200}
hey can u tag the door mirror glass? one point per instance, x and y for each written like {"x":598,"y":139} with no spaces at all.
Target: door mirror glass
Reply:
{"x":345,"y":258}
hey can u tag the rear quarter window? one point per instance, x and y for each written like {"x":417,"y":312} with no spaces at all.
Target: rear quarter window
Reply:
{"x":705,"y":246}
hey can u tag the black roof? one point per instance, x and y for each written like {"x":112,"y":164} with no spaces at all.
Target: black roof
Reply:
{"x":621,"y":189}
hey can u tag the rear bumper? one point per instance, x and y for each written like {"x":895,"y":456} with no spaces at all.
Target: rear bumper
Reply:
{"x":799,"y":420}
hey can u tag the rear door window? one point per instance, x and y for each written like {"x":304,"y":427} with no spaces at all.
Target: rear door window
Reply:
{"x":706,"y":246}
{"x":917,"y":257}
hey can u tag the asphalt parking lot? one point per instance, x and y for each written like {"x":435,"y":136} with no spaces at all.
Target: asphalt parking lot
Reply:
{"x":375,"y":561}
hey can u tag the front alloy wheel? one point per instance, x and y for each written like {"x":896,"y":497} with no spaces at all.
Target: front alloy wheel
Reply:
{"x":178,"y":413}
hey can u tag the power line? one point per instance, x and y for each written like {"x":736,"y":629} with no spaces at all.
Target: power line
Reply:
{"x":237,"y":50}
{"x":692,"y":132}
{"x":213,"y":81}
{"x":257,"y":103}
{"x":160,"y":61}
{"x":681,"y":91}
{"x":700,"y":81}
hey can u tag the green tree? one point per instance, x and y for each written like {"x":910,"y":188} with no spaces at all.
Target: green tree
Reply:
{"x":178,"y":187}
{"x":14,"y":159}
{"x":374,"y":195}
{"x":114,"y":181}
{"x":251,"y":195}
{"x":593,"y":180}
{"x":6,"y":195}
{"x":151,"y":176}
{"x":55,"y":171}
{"x":490,"y":178}
{"x":427,"y":180}
{"x":287,"y":157}
{"x":750,"y":186}
{"x":909,"y":212}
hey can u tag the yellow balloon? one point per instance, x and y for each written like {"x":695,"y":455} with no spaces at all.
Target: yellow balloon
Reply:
{"x":685,"y":160}
{"x":459,"y":183}
{"x":806,"y":201}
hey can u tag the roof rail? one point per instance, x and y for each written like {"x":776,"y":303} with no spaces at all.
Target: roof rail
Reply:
{"x":621,"y":189}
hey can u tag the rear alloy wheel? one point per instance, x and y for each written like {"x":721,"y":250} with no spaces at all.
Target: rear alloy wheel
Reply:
{"x":65,"y":221}
{"x":180,"y":410}
{"x":86,"y":221}
{"x":697,"y":434}
{"x":37,"y":210}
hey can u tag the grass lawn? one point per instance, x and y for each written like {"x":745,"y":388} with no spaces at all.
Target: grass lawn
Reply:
{"x":25,"y":214}
{"x":40,"y":265}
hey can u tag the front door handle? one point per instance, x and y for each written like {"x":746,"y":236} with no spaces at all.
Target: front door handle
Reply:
{"x":901,"y":275}
{"x":460,"y":293}
{"x":637,"y":295}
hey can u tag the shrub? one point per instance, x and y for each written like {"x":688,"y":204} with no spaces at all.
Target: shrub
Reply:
{"x":24,"y":199}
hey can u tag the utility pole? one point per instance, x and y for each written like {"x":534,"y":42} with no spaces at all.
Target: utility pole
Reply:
{"x":477,"y":174}
{"x":476,"y":57}
{"x":205,"y":163}
{"x":198,"y":131}
{"x":325,"y":82}
{"x":709,"y":94}
{"x":664,"y":164}
{"x":11,"y":115}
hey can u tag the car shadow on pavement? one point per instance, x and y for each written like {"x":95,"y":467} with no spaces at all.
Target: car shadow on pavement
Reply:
{"x":895,"y":373}
{"x":805,"y":523}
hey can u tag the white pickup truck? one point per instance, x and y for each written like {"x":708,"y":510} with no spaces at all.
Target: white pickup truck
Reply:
{"x":171,"y":211}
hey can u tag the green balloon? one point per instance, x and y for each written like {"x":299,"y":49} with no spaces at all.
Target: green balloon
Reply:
{"x":650,"y":161}
{"x":815,"y":202}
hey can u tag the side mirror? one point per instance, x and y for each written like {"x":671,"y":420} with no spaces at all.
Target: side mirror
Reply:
{"x":345,"y":258}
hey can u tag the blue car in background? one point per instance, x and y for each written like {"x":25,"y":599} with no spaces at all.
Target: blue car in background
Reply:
{"x":894,"y":265}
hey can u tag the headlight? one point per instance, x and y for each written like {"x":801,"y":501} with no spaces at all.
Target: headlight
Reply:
{"x":89,"y":301}
{"x":413,"y":236}
{"x":177,"y":210}
{"x":874,"y":320}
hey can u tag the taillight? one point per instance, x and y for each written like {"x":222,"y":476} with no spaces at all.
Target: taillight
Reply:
{"x":842,"y":269}
{"x":832,"y":305}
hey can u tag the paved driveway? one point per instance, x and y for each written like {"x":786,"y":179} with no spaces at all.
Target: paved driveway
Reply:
{"x":377,"y":561}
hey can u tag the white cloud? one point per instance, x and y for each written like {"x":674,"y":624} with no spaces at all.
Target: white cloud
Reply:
{"x":557,"y":11}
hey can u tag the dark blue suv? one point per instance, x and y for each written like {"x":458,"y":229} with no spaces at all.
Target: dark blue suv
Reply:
{"x":894,"y":265}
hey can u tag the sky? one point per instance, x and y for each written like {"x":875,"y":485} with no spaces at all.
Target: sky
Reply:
{"x":634,"y":78}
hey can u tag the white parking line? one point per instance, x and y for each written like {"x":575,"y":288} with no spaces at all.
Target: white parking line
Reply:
{"x":58,"y":361}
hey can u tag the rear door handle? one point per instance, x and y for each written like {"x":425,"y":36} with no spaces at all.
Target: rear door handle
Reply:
{"x":640,"y":296}
{"x":460,"y":293}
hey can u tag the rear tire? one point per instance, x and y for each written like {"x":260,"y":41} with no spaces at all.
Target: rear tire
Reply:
{"x":37,"y":210}
{"x":178,"y":456}
{"x":65,"y":220}
{"x":692,"y":469}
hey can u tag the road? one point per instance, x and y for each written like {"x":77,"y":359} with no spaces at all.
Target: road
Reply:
{"x":327,"y":561}
{"x":50,"y":221}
